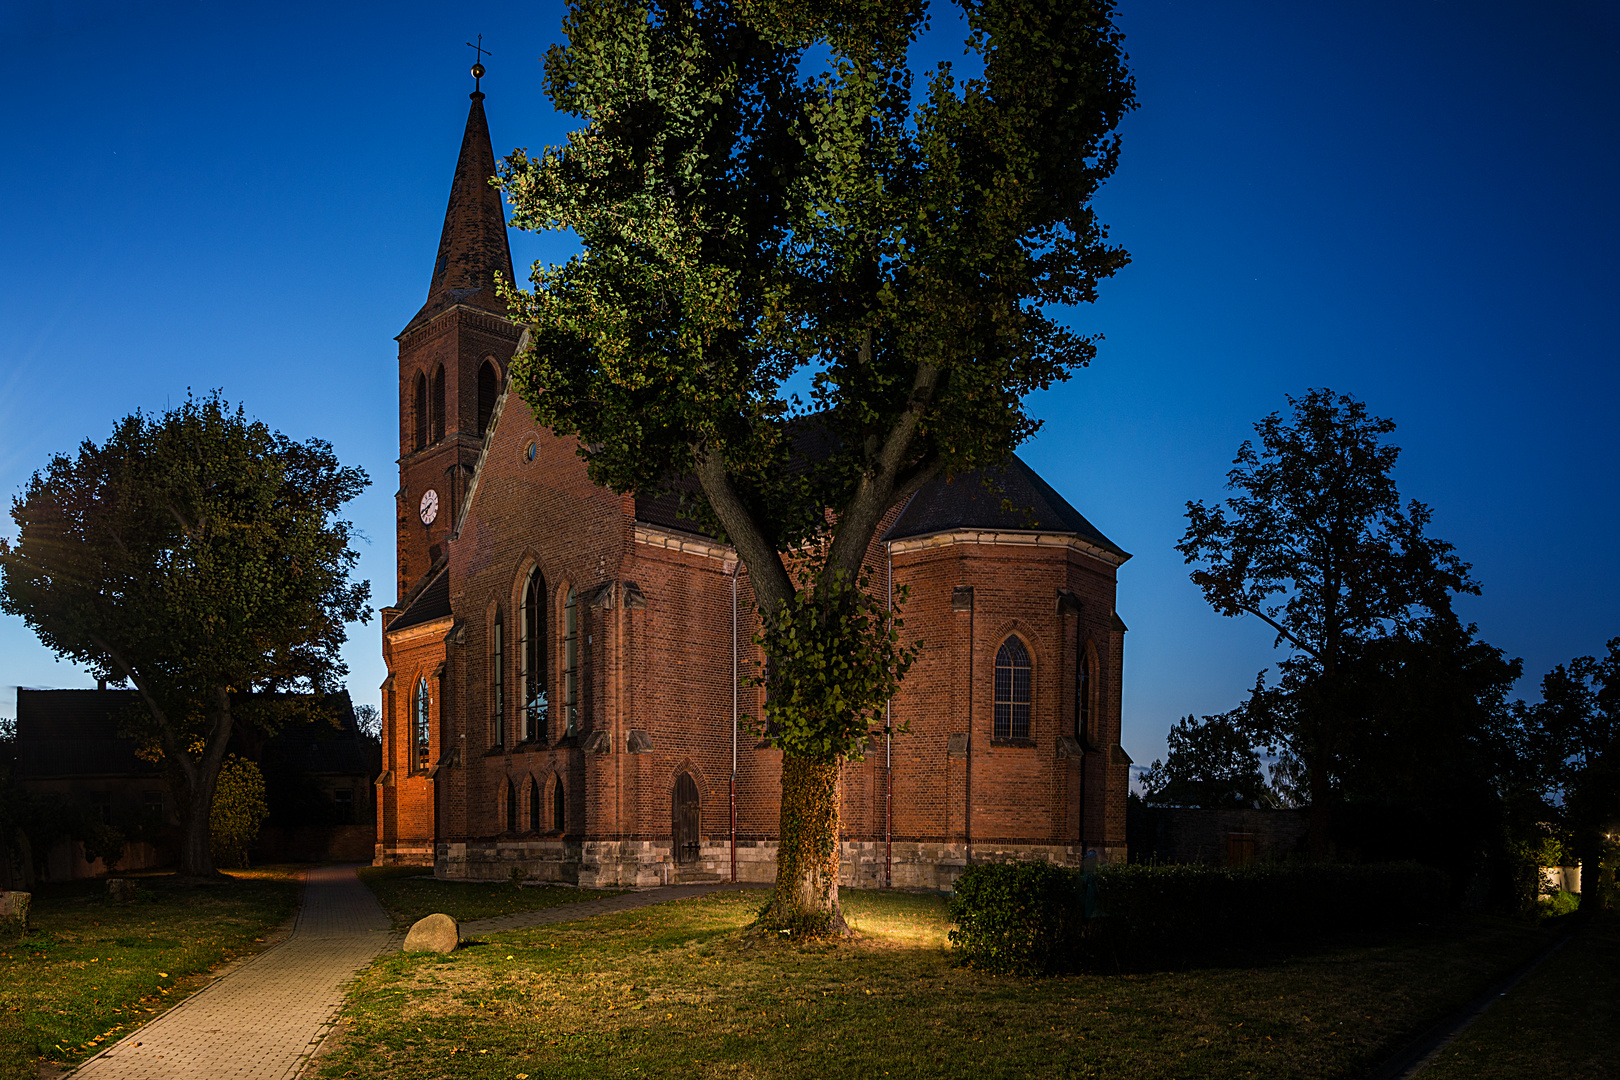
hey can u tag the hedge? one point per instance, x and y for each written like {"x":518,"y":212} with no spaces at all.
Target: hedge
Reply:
{"x":1032,"y":918}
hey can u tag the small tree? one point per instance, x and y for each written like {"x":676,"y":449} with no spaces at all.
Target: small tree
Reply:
{"x":1317,"y":544}
{"x":742,"y":222}
{"x":1210,"y":764}
{"x":196,"y":555}
{"x":239,"y":809}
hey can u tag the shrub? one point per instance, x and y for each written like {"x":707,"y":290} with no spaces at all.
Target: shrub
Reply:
{"x":238,"y":810}
{"x":1034,"y":918}
{"x":1562,"y":902}
{"x":1021,"y":918}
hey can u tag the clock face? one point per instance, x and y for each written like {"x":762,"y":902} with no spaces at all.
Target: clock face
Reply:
{"x":430,"y":506}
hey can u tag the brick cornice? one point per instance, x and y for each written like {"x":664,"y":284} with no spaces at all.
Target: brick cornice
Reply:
{"x":653,"y":536}
{"x":420,"y":630}
{"x":476,"y":318}
{"x":1007,"y":538}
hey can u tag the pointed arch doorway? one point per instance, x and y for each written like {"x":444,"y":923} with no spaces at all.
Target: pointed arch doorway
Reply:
{"x":687,"y":820}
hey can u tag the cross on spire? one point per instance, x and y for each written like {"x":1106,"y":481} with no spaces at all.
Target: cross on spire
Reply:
{"x":478,"y":64}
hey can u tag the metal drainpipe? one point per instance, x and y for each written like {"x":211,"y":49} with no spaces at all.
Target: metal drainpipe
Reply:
{"x":888,"y":743}
{"x":967,"y":793}
{"x":736,"y":567}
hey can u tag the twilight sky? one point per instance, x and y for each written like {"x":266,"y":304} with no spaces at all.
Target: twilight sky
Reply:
{"x":1414,"y":204}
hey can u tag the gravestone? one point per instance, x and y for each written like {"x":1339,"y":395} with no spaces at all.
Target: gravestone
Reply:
{"x":14,"y":907}
{"x":120,"y":890}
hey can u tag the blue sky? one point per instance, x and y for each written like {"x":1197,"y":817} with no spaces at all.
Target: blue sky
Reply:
{"x":1413,"y":204}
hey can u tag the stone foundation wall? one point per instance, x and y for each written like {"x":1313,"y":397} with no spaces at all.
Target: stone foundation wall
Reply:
{"x":647,"y":863}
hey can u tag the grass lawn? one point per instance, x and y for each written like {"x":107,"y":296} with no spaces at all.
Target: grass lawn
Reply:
{"x":410,"y":892}
{"x":682,"y":990}
{"x":88,"y":970}
{"x":1563,"y":1021}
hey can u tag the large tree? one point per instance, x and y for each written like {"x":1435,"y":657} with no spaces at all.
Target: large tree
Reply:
{"x":759,"y":196}
{"x":1574,"y":736}
{"x":1317,"y":544}
{"x":196,"y":555}
{"x":1210,"y":764}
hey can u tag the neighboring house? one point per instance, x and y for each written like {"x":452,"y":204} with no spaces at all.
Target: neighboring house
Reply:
{"x":68,"y":747}
{"x":565,"y":664}
{"x":318,"y":778}
{"x":1179,"y":834}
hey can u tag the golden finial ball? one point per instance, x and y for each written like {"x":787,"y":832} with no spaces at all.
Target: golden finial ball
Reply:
{"x":478,"y":71}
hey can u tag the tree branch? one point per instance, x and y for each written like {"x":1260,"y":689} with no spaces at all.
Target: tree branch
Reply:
{"x":772,"y":586}
{"x":170,"y":737}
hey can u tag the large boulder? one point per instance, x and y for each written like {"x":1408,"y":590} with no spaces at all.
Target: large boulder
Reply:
{"x":436,"y":933}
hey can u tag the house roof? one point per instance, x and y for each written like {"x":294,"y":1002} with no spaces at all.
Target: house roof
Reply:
{"x":1012,"y":498}
{"x":433,"y":602}
{"x":75,"y":733}
{"x":63,"y":733}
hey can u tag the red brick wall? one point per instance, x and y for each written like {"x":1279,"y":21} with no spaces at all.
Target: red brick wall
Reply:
{"x":663,"y":666}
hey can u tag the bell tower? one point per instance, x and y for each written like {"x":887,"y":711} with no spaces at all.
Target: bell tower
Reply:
{"x":452,"y":360}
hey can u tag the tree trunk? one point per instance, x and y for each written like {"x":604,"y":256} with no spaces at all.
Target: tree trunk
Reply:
{"x":197,"y":804}
{"x":807,"y":857}
{"x":1319,"y":821}
{"x":196,"y":857}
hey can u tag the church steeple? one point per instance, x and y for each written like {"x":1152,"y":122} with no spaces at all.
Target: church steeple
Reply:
{"x":452,"y":360}
{"x":472,"y":246}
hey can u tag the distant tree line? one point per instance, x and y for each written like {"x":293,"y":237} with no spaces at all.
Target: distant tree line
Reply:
{"x":1389,"y":720}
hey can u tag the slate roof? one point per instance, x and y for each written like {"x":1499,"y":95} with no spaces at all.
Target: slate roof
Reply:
{"x":664,"y":509}
{"x":75,"y":733}
{"x":472,"y":245}
{"x":431,"y":603}
{"x":942,"y":506}
{"x":1015,"y":500}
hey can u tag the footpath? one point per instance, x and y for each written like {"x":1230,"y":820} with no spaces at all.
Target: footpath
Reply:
{"x":264,"y":1019}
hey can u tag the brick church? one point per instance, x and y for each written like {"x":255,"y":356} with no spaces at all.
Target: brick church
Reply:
{"x":566,"y":666}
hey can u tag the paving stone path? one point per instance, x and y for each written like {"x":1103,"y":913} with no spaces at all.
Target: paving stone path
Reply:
{"x":263,"y":1020}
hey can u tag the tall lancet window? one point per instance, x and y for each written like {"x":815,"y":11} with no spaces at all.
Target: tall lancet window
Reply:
{"x":571,"y":662}
{"x":497,"y":670}
{"x":532,"y":656}
{"x":421,"y":708}
{"x":438,"y":404}
{"x":488,"y":390}
{"x":1012,"y":690}
{"x":1082,"y":697}
{"x":419,"y":413}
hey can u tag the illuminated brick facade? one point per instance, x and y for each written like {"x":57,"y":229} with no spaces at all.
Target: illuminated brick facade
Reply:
{"x":636,"y":634}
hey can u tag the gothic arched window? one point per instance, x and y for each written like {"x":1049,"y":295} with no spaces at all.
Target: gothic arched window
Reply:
{"x":571,"y":663}
{"x":1084,"y":696}
{"x":419,"y":413}
{"x":534,"y":805}
{"x":558,"y":804}
{"x":1012,"y":690}
{"x":532,"y":658}
{"x":497,"y":671}
{"x":511,"y":806}
{"x":488,"y":388}
{"x":438,"y":403}
{"x":421,"y":708}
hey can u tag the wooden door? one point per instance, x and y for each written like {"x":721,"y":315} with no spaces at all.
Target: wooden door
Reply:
{"x":687,"y":822}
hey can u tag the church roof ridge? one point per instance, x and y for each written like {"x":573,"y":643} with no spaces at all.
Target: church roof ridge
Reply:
{"x":472,"y":245}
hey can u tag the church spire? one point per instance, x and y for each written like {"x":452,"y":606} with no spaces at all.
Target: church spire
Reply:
{"x":472,"y":247}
